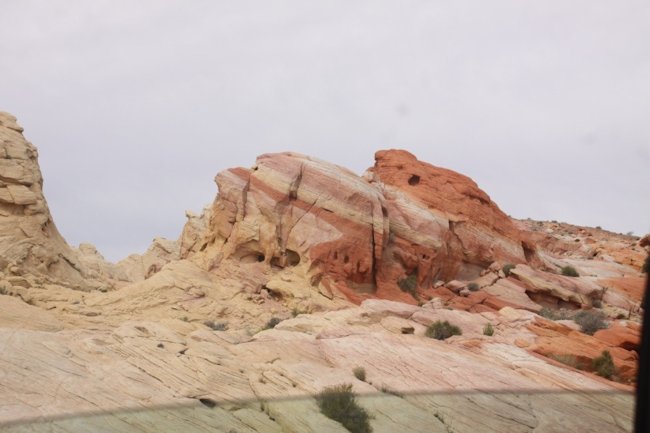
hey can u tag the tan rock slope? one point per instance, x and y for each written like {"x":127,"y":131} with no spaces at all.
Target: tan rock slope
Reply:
{"x":299,"y":272}
{"x":30,"y":241}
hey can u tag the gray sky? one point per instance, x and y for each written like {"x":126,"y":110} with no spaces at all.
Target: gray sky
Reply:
{"x":136,"y":105}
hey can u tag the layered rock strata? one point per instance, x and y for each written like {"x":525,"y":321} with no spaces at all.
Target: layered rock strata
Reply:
{"x":30,"y":241}
{"x":358,"y":236}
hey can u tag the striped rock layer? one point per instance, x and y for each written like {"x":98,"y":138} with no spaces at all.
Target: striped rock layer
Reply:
{"x":358,"y":236}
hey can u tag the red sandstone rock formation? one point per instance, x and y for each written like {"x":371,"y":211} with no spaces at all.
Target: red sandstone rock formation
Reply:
{"x":357,"y":236}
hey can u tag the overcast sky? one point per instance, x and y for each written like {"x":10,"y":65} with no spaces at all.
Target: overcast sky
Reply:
{"x":136,"y":105}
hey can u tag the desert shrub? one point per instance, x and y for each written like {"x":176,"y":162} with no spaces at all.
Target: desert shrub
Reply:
{"x":442,"y":330}
{"x":597,"y":303}
{"x":216,"y":326}
{"x":507,"y":268}
{"x":272,"y":323}
{"x":569,"y":271}
{"x":409,"y":285}
{"x":359,"y":373}
{"x":3,"y":290}
{"x":488,"y":330}
{"x":472,"y":287}
{"x":646,"y":265}
{"x":388,"y":390}
{"x":604,"y":365}
{"x":590,"y":321}
{"x":569,"y":360}
{"x":547,"y":313}
{"x":339,"y":403}
{"x":552,"y":314}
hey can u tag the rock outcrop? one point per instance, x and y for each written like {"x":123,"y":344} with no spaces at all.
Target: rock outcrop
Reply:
{"x":29,"y":241}
{"x":357,"y":236}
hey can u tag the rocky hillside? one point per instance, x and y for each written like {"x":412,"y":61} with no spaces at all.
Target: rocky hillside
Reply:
{"x":299,"y":273}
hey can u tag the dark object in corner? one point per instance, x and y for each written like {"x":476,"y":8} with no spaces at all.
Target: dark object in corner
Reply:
{"x":642,"y":414}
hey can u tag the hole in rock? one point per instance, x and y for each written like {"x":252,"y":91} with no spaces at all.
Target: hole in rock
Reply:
{"x":529,"y":252}
{"x":315,"y":280}
{"x":208,"y":402}
{"x":414,"y":179}
{"x":250,"y":256}
{"x":293,"y":258}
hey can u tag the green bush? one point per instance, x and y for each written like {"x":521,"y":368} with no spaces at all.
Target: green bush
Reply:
{"x":388,"y":390}
{"x":569,"y":271}
{"x":646,"y":265}
{"x":409,"y":285}
{"x":359,"y":373}
{"x":339,"y":403}
{"x":590,"y":321}
{"x":569,"y":360}
{"x":472,"y":287}
{"x":560,"y":314}
{"x":507,"y":268}
{"x":442,"y":330}
{"x":488,"y":330}
{"x":604,"y":365}
{"x":273,"y":321}
{"x":216,"y":326}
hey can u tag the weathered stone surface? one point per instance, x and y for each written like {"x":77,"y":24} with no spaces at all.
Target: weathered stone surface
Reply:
{"x":506,"y":292}
{"x":138,"y":267}
{"x":170,"y":362}
{"x":629,"y":288}
{"x":480,"y":232}
{"x":555,"y":290}
{"x":555,"y":339}
{"x":16,"y":314}
{"x":620,"y":335}
{"x":29,"y":239}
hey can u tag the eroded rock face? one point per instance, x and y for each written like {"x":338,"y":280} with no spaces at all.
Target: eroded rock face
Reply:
{"x":29,"y":240}
{"x":139,"y":267}
{"x":481,"y":232}
{"x":358,"y":235}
